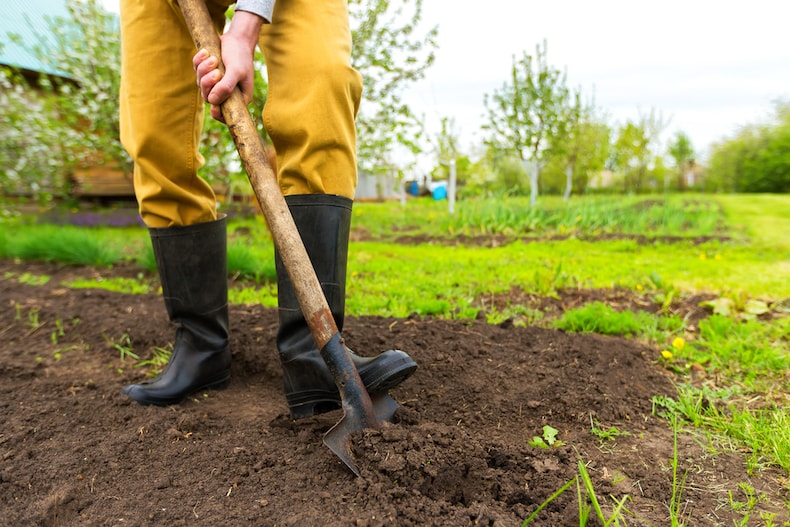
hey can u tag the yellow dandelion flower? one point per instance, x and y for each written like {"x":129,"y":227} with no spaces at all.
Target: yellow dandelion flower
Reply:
{"x":717,"y":257}
{"x":678,"y":343}
{"x":703,"y":256}
{"x":639,"y":287}
{"x":666,"y":354}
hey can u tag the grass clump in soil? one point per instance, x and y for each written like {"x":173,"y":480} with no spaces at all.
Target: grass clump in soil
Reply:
{"x":63,"y":244}
{"x":601,"y":318}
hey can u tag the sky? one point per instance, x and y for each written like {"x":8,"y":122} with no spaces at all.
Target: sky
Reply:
{"x":705,"y":67}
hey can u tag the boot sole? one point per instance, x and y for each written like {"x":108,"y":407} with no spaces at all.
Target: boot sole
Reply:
{"x":142,"y":397}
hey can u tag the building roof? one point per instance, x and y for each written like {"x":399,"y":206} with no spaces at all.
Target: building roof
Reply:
{"x":31,"y":22}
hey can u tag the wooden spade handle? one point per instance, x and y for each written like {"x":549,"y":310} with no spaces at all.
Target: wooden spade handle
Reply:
{"x":264,"y":184}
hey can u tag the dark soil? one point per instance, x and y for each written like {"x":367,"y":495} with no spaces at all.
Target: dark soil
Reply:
{"x":73,"y":451}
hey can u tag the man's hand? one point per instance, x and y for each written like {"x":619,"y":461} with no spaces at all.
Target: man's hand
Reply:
{"x":238,"y":47}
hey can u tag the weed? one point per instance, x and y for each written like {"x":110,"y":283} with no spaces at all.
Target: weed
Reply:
{"x":548,"y":439}
{"x":58,"y":353}
{"x":157,"y":361}
{"x":666,"y":293}
{"x":124,"y":347}
{"x":676,"y":505}
{"x":550,"y":499}
{"x":751,"y":498}
{"x":611,"y":433}
{"x":58,"y":332}
{"x":251,"y":263}
{"x":31,"y":279}
{"x":33,"y":319}
{"x":587,"y":500}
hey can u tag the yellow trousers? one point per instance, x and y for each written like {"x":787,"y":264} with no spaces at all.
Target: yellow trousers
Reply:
{"x":313,"y":98}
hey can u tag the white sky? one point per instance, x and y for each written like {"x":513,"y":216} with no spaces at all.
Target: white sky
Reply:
{"x":708,"y":67}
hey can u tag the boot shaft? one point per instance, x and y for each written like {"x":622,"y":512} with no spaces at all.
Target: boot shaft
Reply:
{"x":324,"y":223}
{"x":192,"y":266}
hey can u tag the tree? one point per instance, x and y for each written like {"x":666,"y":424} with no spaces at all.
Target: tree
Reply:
{"x":634,"y":153}
{"x":390,"y":53}
{"x":525,"y":115}
{"x":72,"y":126}
{"x":580,"y":147}
{"x":757,"y":159}
{"x":682,"y":152}
{"x":72,"y":122}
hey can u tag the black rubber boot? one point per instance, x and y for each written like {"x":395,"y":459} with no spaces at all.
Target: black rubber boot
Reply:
{"x":324,"y":222}
{"x":192,"y":265}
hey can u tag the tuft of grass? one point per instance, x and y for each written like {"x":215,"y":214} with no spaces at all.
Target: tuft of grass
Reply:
{"x":763,"y":432}
{"x":129,"y":286}
{"x":157,"y":361}
{"x":251,"y":263}
{"x":67,"y":245}
{"x":598,"y":317}
{"x":587,"y":501}
{"x":585,"y":216}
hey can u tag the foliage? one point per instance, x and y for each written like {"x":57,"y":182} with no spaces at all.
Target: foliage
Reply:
{"x":757,"y":159}
{"x":72,"y":122}
{"x":682,"y":152}
{"x":395,"y":279}
{"x":526,"y":114}
{"x":635,"y":153}
{"x":445,"y":146}
{"x":390,"y":54}
{"x":579,"y":152}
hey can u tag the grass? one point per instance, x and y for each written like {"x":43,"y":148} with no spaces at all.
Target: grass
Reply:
{"x":586,"y":216}
{"x":62,"y":244}
{"x":740,"y":399}
{"x":598,"y":317}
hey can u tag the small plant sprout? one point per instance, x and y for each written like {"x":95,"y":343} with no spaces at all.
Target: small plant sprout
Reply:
{"x":587,"y":501}
{"x":32,"y":318}
{"x":58,"y":353}
{"x":59,"y":332}
{"x":123,"y":346}
{"x":158,"y":360}
{"x":677,"y":515}
{"x":548,"y":439}
{"x":605,"y":434}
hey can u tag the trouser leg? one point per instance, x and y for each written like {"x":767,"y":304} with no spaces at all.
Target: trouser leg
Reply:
{"x":161,"y":112}
{"x":313,"y":97}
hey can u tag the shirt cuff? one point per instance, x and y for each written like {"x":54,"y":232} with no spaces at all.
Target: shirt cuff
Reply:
{"x":261,"y":8}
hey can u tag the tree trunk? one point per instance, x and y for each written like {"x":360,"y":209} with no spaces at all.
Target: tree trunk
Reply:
{"x":568,"y":181}
{"x":533,"y":169}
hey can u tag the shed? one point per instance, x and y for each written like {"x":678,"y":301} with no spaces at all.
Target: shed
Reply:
{"x":28,"y":21}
